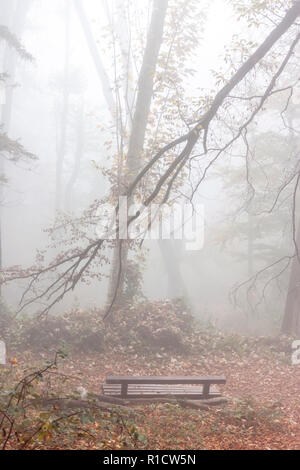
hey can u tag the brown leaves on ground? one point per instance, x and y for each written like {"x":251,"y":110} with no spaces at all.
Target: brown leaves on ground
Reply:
{"x":274,"y":385}
{"x":263,"y":412}
{"x":160,"y":338}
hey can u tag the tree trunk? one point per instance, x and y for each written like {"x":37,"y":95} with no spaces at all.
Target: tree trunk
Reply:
{"x":61,"y":151}
{"x":14,"y":19}
{"x":291,"y":319}
{"x":176,"y":284}
{"x":139,"y":125}
{"x":92,"y":45}
{"x":170,"y":256}
{"x":77,"y":158}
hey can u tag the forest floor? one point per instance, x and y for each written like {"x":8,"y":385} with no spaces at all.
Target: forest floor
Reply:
{"x":263,"y":411}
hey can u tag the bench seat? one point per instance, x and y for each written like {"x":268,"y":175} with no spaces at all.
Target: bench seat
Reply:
{"x":155,"y":391}
{"x":195,"y":388}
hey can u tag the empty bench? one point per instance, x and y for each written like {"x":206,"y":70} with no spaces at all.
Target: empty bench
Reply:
{"x":193,"y":388}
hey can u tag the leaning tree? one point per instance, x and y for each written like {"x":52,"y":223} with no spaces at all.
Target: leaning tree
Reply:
{"x":215,"y":129}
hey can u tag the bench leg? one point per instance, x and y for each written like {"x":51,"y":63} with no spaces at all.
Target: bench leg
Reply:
{"x":124,"y":389}
{"x":206,"y":390}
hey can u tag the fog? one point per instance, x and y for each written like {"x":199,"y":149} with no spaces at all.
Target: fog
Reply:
{"x":149,"y":224}
{"x":52,"y":33}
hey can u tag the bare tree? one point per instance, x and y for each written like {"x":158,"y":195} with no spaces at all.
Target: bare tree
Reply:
{"x":104,"y":79}
{"x":80,"y":140}
{"x":13,"y":21}
{"x":70,"y":267}
{"x":291,"y":318}
{"x":62,"y":142}
{"x":113,"y":103}
{"x":138,"y":130}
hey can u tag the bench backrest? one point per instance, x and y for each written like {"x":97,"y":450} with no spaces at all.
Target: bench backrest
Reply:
{"x":165,"y":380}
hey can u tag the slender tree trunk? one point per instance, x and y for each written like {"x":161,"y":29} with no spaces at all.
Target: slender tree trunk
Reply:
{"x":145,"y":88}
{"x":170,"y":256}
{"x":139,"y":125}
{"x":291,"y":319}
{"x":77,"y":158}
{"x":250,"y":243}
{"x":61,"y":151}
{"x":124,"y":40}
{"x":15,"y":20}
{"x":125,"y":45}
{"x":92,"y":45}
{"x":6,"y":13}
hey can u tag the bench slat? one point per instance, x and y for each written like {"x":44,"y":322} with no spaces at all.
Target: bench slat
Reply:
{"x":191,"y":389}
{"x":196,"y":392}
{"x":150,"y":388}
{"x":165,"y":380}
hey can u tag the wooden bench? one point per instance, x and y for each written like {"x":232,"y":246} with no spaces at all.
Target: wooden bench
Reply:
{"x":193,"y":388}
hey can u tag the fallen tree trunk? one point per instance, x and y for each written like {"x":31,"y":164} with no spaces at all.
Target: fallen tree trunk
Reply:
{"x":197,"y":404}
{"x":69,"y":403}
{"x":105,"y":403}
{"x":181,"y":401}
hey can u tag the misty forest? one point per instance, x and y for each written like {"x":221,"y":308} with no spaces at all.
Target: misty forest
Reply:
{"x":149,"y":224}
